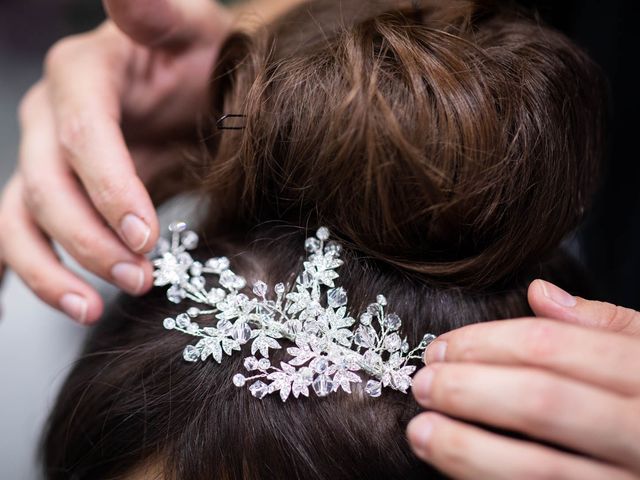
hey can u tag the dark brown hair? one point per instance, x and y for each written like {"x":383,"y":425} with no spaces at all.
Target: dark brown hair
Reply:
{"x":450,"y":145}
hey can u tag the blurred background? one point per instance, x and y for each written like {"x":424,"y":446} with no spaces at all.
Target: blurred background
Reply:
{"x":37,"y":344}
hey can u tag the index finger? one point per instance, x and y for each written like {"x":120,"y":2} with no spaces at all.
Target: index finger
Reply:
{"x":601,"y":358}
{"x":85,"y":91}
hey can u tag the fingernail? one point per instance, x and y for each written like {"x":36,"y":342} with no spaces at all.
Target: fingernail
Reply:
{"x":557,"y":295}
{"x":128,"y":276}
{"x":422,"y":384}
{"x":419,"y":432}
{"x":134,"y":231}
{"x":436,"y":352}
{"x":75,"y":306}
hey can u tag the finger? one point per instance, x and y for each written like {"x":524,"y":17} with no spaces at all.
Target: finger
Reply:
{"x":609,"y":360}
{"x":164,"y":23}
{"x":63,"y":211}
{"x":465,"y":452}
{"x":537,"y":403}
{"x":547,"y":300}
{"x":31,"y":257}
{"x":84,"y":95}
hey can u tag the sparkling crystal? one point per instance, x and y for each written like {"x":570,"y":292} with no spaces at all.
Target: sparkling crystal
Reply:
{"x":372,"y":359}
{"x":333,"y":248}
{"x":365,"y":319}
{"x":428,"y":339}
{"x":322,"y":385}
{"x":242,"y":332}
{"x":196,"y":269}
{"x":264,"y":363}
{"x":393,"y":342}
{"x":193,"y":328}
{"x":364,"y":337}
{"x":227,"y":278}
{"x":239,"y":282}
{"x":305,"y":374}
{"x":251,"y":363}
{"x":323,"y":233}
{"x":239,"y":380}
{"x":381,"y":299}
{"x":193,"y":312}
{"x":259,"y":389}
{"x":401,"y":382}
{"x":320,"y":364}
{"x":183,"y":320}
{"x":191,"y":353}
{"x":405,"y":346}
{"x":169,"y":323}
{"x":373,"y":388}
{"x":162,"y":246}
{"x":392,"y":321}
{"x":177,"y":227}
{"x":279,"y":288}
{"x":198,"y":282}
{"x":218,"y":265}
{"x":312,"y":245}
{"x":373,"y":309}
{"x":260,"y":289}
{"x":175,"y":294}
{"x":190,"y":240}
{"x":215,"y":295}
{"x":306,"y":279}
{"x":224,"y":326}
{"x":337,"y":297}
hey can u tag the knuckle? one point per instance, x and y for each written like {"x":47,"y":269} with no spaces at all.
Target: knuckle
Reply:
{"x":618,"y":318}
{"x":542,"y":400}
{"x":27,"y":104}
{"x":34,"y":195}
{"x":38,"y":283}
{"x":540,"y":340}
{"x":73,"y":132}
{"x":108,"y":192}
{"x":61,"y":51}
{"x":83,"y":245}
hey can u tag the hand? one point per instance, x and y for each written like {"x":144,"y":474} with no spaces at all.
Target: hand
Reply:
{"x":574,"y":383}
{"x":143,"y":76}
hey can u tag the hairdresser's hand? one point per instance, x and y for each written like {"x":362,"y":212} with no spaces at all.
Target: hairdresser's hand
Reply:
{"x":573,"y":382}
{"x":141,"y":76}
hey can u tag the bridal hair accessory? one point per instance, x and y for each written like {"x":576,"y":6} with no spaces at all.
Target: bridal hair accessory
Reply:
{"x":329,"y":349}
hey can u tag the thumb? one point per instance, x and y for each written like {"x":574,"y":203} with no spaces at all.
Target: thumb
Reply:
{"x":168,"y":23}
{"x":549,"y":301}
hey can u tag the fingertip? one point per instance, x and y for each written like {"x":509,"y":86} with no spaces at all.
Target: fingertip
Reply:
{"x":419,"y":433}
{"x":548,"y":300}
{"x":84,"y":307}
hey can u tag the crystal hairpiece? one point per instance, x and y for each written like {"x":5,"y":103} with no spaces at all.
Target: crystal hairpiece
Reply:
{"x":328,"y":350}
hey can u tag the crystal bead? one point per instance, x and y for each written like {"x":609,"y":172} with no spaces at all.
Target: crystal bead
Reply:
{"x":183,"y":320}
{"x":198,"y":282}
{"x":322,"y":385}
{"x":405,"y":346}
{"x":323,"y":233}
{"x":260,"y":289}
{"x":224,"y":326}
{"x":306,"y":375}
{"x":381,"y":299}
{"x":191,"y":353}
{"x":365,"y":319}
{"x":215,"y":295}
{"x":373,"y":388}
{"x":218,"y":265}
{"x":177,"y":227}
{"x":393,"y":342}
{"x":251,"y":363}
{"x":264,"y":364}
{"x":162,"y":246}
{"x":227,"y":278}
{"x":259,"y":389}
{"x":193,"y":328}
{"x":401,"y":382}
{"x":312,"y":245}
{"x":428,"y":339}
{"x":392,"y":321}
{"x":196,"y":269}
{"x":333,"y":248}
{"x":169,"y":323}
{"x":241,"y":333}
{"x":320,"y":364}
{"x":193,"y":312}
{"x":364,"y":337}
{"x":337,"y":297}
{"x":279,"y":288}
{"x":175,"y":294}
{"x":189,"y":240}
{"x":239,"y":380}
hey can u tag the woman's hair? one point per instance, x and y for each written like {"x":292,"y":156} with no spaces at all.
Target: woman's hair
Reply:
{"x":450,"y":145}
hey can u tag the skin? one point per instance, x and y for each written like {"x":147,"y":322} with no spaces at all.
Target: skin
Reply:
{"x":569,"y":377}
{"x":142,"y":75}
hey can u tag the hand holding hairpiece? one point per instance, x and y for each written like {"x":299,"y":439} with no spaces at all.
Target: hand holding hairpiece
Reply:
{"x":330,"y":350}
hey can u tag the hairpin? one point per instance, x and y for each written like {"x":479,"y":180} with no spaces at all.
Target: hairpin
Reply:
{"x":328,"y":349}
{"x":220,"y":123}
